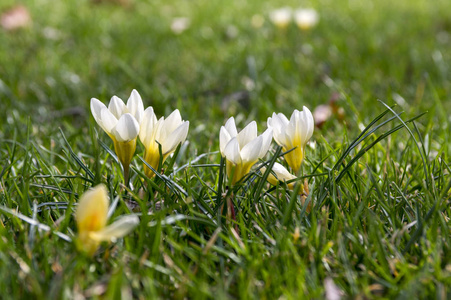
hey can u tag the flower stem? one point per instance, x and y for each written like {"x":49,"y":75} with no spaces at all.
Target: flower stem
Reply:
{"x":126,"y":174}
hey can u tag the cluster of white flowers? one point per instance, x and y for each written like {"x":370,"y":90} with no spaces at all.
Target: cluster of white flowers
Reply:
{"x":305,"y":18}
{"x":124,"y":123}
{"x":242,"y":150}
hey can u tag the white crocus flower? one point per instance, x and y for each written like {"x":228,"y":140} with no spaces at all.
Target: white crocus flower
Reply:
{"x":242,"y":150}
{"x":306,"y":18}
{"x":122,"y":123}
{"x":92,"y":216}
{"x":168,"y":133}
{"x":279,"y":173}
{"x":293,"y":134}
{"x":281,"y":17}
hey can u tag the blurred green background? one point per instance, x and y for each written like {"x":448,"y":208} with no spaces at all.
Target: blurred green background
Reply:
{"x":222,"y":64}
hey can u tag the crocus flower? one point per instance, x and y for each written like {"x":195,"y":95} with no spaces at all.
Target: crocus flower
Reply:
{"x":91,"y":217}
{"x":242,"y":150}
{"x":293,"y":134}
{"x":281,"y":17}
{"x":306,"y":18}
{"x":279,"y":173}
{"x":167,"y":133}
{"x":121,"y":122}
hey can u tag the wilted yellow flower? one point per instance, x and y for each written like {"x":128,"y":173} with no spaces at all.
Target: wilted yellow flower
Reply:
{"x":242,"y":150}
{"x":168,"y":133}
{"x":121,"y":122}
{"x":91,"y":217}
{"x":293,"y":134}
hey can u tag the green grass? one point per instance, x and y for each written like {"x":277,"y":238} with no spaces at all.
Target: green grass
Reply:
{"x":379,"y":224}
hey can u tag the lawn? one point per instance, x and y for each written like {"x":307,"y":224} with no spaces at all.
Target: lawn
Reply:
{"x":376,"y":217}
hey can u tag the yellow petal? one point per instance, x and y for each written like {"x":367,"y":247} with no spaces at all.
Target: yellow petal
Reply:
{"x":116,"y":230}
{"x":91,"y":214}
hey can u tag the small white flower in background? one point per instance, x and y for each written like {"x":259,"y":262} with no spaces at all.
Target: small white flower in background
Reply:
{"x":281,"y":17}
{"x":92,"y":216}
{"x":169,"y":133}
{"x":51,"y":33}
{"x":293,"y":134}
{"x":306,"y":18}
{"x":232,"y":32}
{"x":179,"y":25}
{"x":122,"y":123}
{"x":242,"y":150}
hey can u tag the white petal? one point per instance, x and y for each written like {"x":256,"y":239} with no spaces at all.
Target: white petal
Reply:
{"x":158,"y":133}
{"x":269,"y":122}
{"x":306,"y":128}
{"x":147,"y":126}
{"x":282,"y":173}
{"x":135,"y":106}
{"x":231,"y":127}
{"x":251,"y":150}
{"x":175,"y":138}
{"x":224,"y":139}
{"x":127,"y":128}
{"x":278,"y":123}
{"x":108,"y":120}
{"x":117,"y":107}
{"x":96,"y":109}
{"x":310,"y":122}
{"x":296,"y":129}
{"x":232,"y":151}
{"x":282,"y":119}
{"x":295,"y":116}
{"x":303,"y":124}
{"x":266,"y":142}
{"x":173,"y":121}
{"x":248,"y":134}
{"x":292,"y":128}
{"x":116,"y":230}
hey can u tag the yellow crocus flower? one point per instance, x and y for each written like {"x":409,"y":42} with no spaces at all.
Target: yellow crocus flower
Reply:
{"x":91,"y":218}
